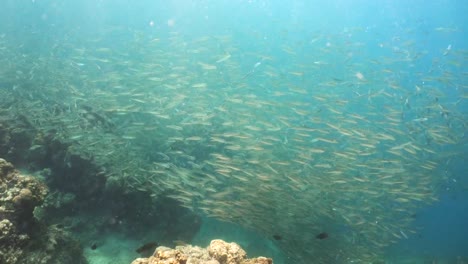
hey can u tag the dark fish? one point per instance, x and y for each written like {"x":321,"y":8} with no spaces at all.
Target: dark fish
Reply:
{"x":322,"y":235}
{"x":147,"y":247}
{"x":277,"y":237}
{"x":93,"y":246}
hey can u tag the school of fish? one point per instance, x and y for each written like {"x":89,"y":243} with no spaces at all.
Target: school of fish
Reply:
{"x":323,"y":141}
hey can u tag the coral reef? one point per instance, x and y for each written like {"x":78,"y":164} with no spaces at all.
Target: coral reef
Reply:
{"x":19,"y":196}
{"x":85,"y":197}
{"x":218,"y":252}
{"x":24,"y":239}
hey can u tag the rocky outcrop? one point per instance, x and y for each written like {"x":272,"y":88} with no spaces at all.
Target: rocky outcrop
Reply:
{"x":23,"y":239}
{"x":19,"y":194}
{"x":218,"y":252}
{"x":18,"y":197}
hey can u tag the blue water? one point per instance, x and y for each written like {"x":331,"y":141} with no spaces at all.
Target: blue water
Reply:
{"x":443,"y":232}
{"x":361,"y":30}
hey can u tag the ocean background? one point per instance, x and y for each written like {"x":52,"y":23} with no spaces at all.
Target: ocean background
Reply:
{"x":303,"y":43}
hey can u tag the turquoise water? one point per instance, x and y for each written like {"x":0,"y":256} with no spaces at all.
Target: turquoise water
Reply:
{"x":324,"y":131}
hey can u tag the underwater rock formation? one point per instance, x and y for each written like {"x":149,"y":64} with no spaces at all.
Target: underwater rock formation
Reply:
{"x":24,"y":239}
{"x":218,"y":252}
{"x":18,"y":197}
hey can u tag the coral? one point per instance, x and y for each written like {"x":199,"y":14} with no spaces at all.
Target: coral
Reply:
{"x":19,"y":195}
{"x":6,"y":170}
{"x":229,"y":253}
{"x":23,"y":239}
{"x":24,"y":196}
{"x":218,"y":252}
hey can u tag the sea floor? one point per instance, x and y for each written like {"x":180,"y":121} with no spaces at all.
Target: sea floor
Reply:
{"x":115,"y":248}
{"x":112,"y":248}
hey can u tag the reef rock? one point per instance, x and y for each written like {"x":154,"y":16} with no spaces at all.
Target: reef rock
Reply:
{"x":23,"y":239}
{"x":229,"y":253}
{"x":218,"y":252}
{"x":18,"y":197}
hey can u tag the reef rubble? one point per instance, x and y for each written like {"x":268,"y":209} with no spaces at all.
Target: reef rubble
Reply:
{"x":218,"y":252}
